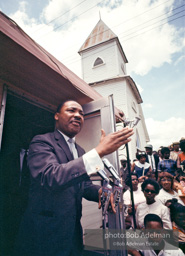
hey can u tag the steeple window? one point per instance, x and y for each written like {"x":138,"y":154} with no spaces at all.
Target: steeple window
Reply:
{"x":98,"y":62}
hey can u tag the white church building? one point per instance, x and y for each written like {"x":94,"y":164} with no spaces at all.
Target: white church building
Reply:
{"x":104,"y":68}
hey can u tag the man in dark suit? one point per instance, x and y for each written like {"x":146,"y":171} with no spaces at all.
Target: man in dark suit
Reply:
{"x":59,"y":179}
{"x":152,"y":159}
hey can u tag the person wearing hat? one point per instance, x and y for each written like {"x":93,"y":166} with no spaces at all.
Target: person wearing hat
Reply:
{"x":152,"y":159}
{"x":175,"y":152}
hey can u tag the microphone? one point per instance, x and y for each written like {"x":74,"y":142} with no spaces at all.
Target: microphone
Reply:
{"x":111,"y":169}
{"x":136,"y":121}
{"x":102,"y":174}
{"x":132,"y":123}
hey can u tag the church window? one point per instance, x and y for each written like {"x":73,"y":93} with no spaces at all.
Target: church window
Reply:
{"x":98,"y":61}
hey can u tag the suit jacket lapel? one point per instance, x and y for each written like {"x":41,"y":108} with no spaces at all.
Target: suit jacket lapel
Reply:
{"x":79,"y":150}
{"x":63,"y":144}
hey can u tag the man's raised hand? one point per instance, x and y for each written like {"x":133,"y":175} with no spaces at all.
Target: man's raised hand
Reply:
{"x":111,"y":142}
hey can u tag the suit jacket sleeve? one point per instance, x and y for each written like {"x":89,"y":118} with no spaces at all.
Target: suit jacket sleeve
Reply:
{"x":50,"y":164}
{"x":90,"y":191}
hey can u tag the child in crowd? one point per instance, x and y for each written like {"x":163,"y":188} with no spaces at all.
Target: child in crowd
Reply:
{"x":167,"y":164}
{"x":141,"y":167}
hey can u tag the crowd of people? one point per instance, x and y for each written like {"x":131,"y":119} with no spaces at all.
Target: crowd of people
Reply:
{"x":158,"y":186}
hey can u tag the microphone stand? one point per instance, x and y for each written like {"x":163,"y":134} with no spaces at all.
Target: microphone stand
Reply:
{"x":116,"y":181}
{"x":133,"y":123}
{"x":106,"y":193}
{"x":131,"y":187}
{"x":105,"y":198}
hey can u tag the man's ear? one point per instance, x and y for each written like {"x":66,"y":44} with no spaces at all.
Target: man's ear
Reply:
{"x":56,"y":116}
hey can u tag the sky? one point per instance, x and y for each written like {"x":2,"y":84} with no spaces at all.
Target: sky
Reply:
{"x":151,"y":32}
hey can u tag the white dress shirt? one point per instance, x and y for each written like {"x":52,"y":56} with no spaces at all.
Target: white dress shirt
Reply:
{"x":152,"y":162}
{"x":91,"y":159}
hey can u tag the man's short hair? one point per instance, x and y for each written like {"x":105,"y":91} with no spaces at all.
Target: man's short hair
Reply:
{"x":165,"y":150}
{"x":152,"y":217}
{"x":62,"y":103}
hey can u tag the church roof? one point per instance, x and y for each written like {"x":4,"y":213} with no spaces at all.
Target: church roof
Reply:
{"x":100,"y":34}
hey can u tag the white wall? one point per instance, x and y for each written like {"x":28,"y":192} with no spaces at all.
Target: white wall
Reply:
{"x":107,"y":53}
{"x":120,"y":62}
{"x":118,"y":89}
{"x":143,"y":132}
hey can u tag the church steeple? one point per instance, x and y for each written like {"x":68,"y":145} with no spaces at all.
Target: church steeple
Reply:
{"x":100,"y":34}
{"x":104,"y":68}
{"x":102,"y":55}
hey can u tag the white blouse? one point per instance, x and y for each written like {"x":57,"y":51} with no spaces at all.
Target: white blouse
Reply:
{"x":164,"y":196}
{"x":138,"y":197}
{"x":157,"y":208}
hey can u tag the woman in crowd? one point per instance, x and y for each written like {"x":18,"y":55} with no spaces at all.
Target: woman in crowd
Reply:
{"x":141,"y":167}
{"x":167,"y":193}
{"x":150,"y":189}
{"x":137,"y":194}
